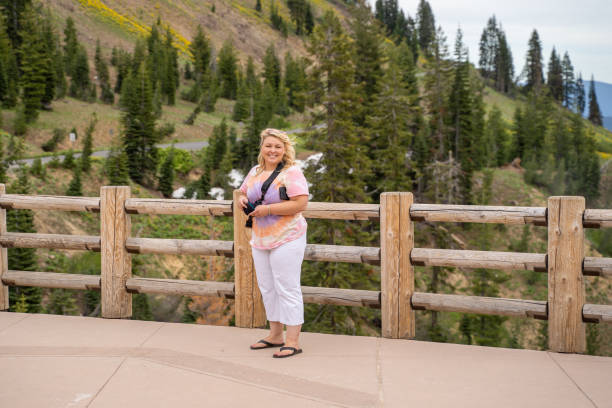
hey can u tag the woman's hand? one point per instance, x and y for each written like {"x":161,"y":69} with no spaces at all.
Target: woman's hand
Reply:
{"x":243,"y":201}
{"x":261,"y":211}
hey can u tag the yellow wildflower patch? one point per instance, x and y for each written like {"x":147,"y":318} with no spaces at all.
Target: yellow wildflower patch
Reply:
{"x":604,"y":155}
{"x":131,"y":24}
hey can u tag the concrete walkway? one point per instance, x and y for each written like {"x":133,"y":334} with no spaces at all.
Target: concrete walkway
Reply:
{"x":60,"y":361}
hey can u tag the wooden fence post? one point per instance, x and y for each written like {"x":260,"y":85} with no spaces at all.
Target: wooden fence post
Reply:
{"x":248,"y":304}
{"x":4,"y":294}
{"x":115,"y":226}
{"x":397,"y":273}
{"x":566,"y":330}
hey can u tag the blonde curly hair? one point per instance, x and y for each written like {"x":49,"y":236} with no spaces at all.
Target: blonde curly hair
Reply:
{"x":288,"y":157}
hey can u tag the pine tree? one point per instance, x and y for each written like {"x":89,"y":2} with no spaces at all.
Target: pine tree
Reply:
{"x":555,"y":77}
{"x":504,"y":64}
{"x":142,"y":308}
{"x":202,"y":186}
{"x":170,"y":78}
{"x":309,"y":22}
{"x":124,"y":62}
{"x":37,"y":169}
{"x":497,"y":138}
{"x":242,"y":106}
{"x":23,"y":259}
{"x":75,"y":188}
{"x":69,"y":162}
{"x":50,"y":54}
{"x":489,"y":47}
{"x":138,"y":125}
{"x":228,"y":80}
{"x":519,"y":139}
{"x":13,"y":15}
{"x":71,"y":46}
{"x":166,"y":176}
{"x":107,"y":95}
{"x":569,"y":82}
{"x":272,"y":68}
{"x":426,"y":26}
{"x":495,"y":60}
{"x":297,"y":10}
{"x":295,"y":81}
{"x":62,"y":302}
{"x":460,"y":140}
{"x":80,"y":84}
{"x":116,"y":167}
{"x":88,"y":144}
{"x":580,"y":95}
{"x":346,"y":167}
{"x":389,"y":120}
{"x":437,"y":84}
{"x":201,"y":50}
{"x":368,"y":39}
{"x":34,"y":65}
{"x":258,"y":6}
{"x":8,"y":69}
{"x":533,"y":65}
{"x":594,"y":111}
{"x":277,"y":20}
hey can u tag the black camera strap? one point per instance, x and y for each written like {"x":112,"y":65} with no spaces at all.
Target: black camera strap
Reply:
{"x":266,"y":185}
{"x":264,"y":189}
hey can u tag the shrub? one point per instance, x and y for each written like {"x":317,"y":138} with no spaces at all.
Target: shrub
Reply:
{"x":57,"y":138}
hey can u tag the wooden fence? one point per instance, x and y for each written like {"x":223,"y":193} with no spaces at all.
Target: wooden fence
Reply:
{"x":565,"y":263}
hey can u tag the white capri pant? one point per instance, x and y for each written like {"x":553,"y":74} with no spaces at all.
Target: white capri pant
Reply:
{"x":278,"y":276}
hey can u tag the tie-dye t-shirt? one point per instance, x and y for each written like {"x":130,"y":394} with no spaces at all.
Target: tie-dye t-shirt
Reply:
{"x":272,"y":231}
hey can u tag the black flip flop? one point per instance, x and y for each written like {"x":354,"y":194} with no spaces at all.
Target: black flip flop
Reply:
{"x":295,"y":351}
{"x":266,"y":344}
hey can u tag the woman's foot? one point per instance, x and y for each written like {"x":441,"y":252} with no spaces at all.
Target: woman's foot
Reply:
{"x":270,"y":341}
{"x":289,"y":349}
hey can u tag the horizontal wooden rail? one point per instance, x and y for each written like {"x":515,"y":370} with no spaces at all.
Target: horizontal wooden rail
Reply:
{"x":52,"y":280}
{"x":178,"y":207}
{"x":51,"y":241}
{"x":597,"y":218}
{"x":342,"y":211}
{"x":480,"y":214}
{"x":44,"y":202}
{"x":342,"y":253}
{"x":179,"y":246}
{"x":597,"y":266}
{"x":479,"y":305}
{"x":181,"y":287}
{"x":597,"y":313}
{"x":478,"y":259}
{"x":341,"y":297}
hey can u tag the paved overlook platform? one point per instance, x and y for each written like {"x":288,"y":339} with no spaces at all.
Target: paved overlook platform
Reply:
{"x":60,"y":361}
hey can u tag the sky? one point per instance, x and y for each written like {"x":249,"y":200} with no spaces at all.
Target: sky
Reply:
{"x":582,"y":28}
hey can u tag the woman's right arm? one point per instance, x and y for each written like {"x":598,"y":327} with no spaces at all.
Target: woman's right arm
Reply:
{"x":243,"y":200}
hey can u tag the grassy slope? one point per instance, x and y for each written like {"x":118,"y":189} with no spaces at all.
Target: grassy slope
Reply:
{"x":118,"y":24}
{"x":508,"y":105}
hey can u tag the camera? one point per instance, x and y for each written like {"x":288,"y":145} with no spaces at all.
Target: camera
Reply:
{"x":250,"y":207}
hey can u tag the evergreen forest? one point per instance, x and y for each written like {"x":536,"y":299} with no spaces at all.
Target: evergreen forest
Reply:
{"x":376,"y":98}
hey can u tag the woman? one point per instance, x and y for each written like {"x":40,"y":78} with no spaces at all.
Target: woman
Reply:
{"x":278,"y":239}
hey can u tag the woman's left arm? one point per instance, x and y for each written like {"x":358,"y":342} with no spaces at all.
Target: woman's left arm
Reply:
{"x":293,"y":206}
